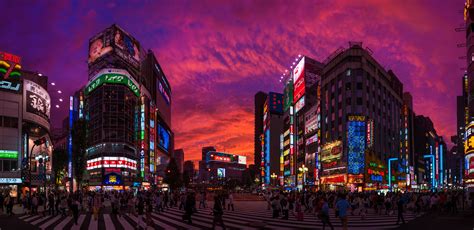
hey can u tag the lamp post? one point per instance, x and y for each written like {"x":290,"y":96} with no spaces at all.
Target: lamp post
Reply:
{"x":273,"y":176}
{"x":304,"y":170}
{"x":390,"y":172}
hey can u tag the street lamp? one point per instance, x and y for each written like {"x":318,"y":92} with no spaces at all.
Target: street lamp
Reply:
{"x":273,"y":176}
{"x":390,"y":172}
{"x":304,"y":170}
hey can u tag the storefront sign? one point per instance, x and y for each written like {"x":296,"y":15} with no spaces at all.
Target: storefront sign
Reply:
{"x":10,"y":86}
{"x":335,"y":179}
{"x":10,"y":181}
{"x":37,"y":99}
{"x":113,"y":78}
{"x":10,"y":154}
{"x":113,"y":179}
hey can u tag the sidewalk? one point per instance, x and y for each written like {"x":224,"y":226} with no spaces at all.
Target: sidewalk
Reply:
{"x":462,"y":220}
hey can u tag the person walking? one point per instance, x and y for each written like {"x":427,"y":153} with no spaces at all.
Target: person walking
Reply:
{"x":202,"y":201}
{"x":324,"y":214}
{"x":275,"y":207}
{"x":217,"y":212}
{"x":141,"y":212}
{"x":230,"y":202}
{"x":400,"y":204}
{"x":75,"y":210}
{"x":97,"y":204}
{"x":284,"y":207}
{"x":189,"y":208}
{"x":341,"y":208}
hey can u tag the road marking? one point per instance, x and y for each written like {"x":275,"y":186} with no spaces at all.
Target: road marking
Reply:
{"x":63,"y":223}
{"x":108,"y":222}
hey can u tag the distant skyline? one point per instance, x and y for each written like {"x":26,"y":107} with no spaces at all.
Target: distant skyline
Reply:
{"x":217,"y":55}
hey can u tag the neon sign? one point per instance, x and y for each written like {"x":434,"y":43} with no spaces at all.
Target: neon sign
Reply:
{"x":111,"y":162}
{"x":10,"y":154}
{"x":9,"y":65}
{"x":356,"y":144}
{"x":113,"y":78}
{"x":10,"y":86}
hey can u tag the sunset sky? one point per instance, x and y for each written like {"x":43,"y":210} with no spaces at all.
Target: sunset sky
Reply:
{"x":217,"y":55}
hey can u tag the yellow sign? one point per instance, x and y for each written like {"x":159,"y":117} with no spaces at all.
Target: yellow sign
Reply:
{"x":469,"y":143}
{"x":113,"y":179}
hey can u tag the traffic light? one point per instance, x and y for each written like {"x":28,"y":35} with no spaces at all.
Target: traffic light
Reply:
{"x":40,"y":141}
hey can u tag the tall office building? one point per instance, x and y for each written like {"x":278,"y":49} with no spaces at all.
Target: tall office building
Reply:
{"x":469,"y":145}
{"x":270,"y":139}
{"x":259,"y":100}
{"x":361,"y":116}
{"x":128,"y":113}
{"x":178,"y":155}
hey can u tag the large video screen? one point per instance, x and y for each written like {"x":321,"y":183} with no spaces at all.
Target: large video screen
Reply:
{"x":99,"y":46}
{"x":164,"y":135}
{"x":127,"y":47}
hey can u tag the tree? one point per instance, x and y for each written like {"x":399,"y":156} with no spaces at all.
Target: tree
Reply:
{"x":59,"y":163}
{"x":79,"y":159}
{"x":172,"y":175}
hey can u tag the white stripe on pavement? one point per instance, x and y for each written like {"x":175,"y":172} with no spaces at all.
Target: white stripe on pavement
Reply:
{"x":159,"y":223}
{"x":79,"y":222}
{"x":108,"y":222}
{"x":94,"y":224}
{"x":39,"y":220}
{"x":24,"y":216}
{"x":179,"y":223}
{"x":31,"y":218}
{"x":63,"y":223}
{"x":124,"y":223}
{"x":50,"y":222}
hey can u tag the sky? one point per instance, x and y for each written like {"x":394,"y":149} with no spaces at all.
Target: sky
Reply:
{"x":218,"y":54}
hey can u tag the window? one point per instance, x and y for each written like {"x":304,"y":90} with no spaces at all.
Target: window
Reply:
{"x":348,"y":101}
{"x":359,"y":101}
{"x":359,"y":85}
{"x":348,"y":86}
{"x":10,"y":122}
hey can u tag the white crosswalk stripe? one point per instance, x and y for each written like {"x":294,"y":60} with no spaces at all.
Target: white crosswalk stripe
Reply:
{"x":247,"y":215}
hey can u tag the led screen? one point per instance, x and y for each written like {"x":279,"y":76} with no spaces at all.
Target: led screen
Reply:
{"x":164,"y":135}
{"x":299,"y":81}
{"x":99,"y":46}
{"x":276,"y":103}
{"x":356,"y":140}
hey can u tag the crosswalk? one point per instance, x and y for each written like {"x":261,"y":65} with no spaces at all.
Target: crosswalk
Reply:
{"x":247,"y":215}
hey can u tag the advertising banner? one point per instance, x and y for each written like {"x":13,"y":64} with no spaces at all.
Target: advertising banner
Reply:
{"x":37,"y":99}
{"x":299,"y":105}
{"x":113,"y":78}
{"x":469,"y":143}
{"x":299,"y":80}
{"x":164,"y":135}
{"x":356,"y":141}
{"x":99,"y":46}
{"x":288,"y":97}
{"x":331,"y":151}
{"x":127,"y":47}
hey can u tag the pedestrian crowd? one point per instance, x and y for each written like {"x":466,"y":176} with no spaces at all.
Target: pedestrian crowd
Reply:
{"x":319,"y":204}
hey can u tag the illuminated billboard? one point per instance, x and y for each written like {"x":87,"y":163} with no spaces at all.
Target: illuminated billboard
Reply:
{"x":243,"y":160}
{"x":99,"y":46}
{"x":331,"y":151}
{"x":126,"y":47}
{"x":37,"y":99}
{"x":299,"y":105}
{"x":469,"y":143}
{"x":111,"y":162}
{"x":356,"y":141}
{"x":120,"y":78}
{"x":288,"y":96}
{"x":220,"y":172}
{"x":9,"y":65}
{"x":299,"y":81}
{"x":164,"y":135}
{"x":10,"y":86}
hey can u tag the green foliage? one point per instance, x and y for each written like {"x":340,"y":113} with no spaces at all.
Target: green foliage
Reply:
{"x":59,"y":163}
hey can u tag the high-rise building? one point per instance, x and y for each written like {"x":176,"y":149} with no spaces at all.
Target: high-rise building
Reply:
{"x":217,"y":168}
{"x":259,"y":100}
{"x":361,"y":107}
{"x":128,"y":113}
{"x":469,"y":113}
{"x":179,"y":157}
{"x":188,"y":169}
{"x":272,"y":130}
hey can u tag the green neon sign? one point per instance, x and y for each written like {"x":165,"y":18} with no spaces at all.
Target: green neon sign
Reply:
{"x":113,"y":78}
{"x":8,"y":154}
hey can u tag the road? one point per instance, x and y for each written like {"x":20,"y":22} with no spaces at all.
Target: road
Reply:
{"x":247,"y":215}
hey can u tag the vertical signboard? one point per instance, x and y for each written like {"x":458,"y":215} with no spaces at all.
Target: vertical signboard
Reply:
{"x":299,"y":80}
{"x":469,"y":154}
{"x":288,"y":96}
{"x":356,"y":140}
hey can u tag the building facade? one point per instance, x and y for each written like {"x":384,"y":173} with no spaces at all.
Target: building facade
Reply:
{"x":25,"y":139}
{"x":128,"y":113}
